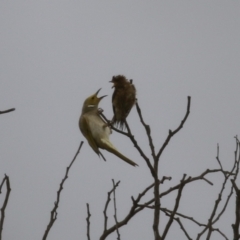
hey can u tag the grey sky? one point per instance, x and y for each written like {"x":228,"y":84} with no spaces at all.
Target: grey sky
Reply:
{"x":54,"y":54}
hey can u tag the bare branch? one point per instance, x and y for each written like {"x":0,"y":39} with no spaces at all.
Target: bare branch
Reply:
{"x":168,"y":212}
{"x":5,"y":202}
{"x":224,"y":206}
{"x":140,"y":151}
{"x":106,"y":205}
{"x":189,"y":180}
{"x":236,"y":225}
{"x":211,"y":220}
{"x":171,"y":133}
{"x":175,"y":208}
{"x":136,"y":208}
{"x":148,"y":131}
{"x":183,"y":229}
{"x":156,"y":216}
{"x":7,"y":111}
{"x":176,"y":187}
{"x":88,"y":222}
{"x":53,"y":215}
{"x":115,"y":210}
{"x":217,"y":157}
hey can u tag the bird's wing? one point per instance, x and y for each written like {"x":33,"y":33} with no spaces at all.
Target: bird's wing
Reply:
{"x":113,"y":99}
{"x":130,"y":98}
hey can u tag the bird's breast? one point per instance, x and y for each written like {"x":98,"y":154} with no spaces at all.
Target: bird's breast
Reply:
{"x":98,"y":128}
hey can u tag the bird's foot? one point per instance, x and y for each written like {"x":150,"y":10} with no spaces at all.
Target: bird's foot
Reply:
{"x":108,"y":124}
{"x":100,"y":110}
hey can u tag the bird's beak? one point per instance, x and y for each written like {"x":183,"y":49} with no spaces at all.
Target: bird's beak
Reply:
{"x":97,"y":91}
{"x":113,"y":83}
{"x":97,"y":94}
{"x":102,"y":97}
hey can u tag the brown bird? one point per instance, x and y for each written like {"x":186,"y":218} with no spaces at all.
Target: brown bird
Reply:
{"x":95,"y":130}
{"x":123,"y":99}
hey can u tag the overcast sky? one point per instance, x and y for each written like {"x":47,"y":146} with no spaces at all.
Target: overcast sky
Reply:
{"x":55,"y":53}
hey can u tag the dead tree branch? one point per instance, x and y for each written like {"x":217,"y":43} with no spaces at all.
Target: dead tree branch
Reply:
{"x":172,"y":133}
{"x":106,"y":205}
{"x":5,"y":202}
{"x":136,"y":208}
{"x":236,"y":225}
{"x":148,"y":131}
{"x":7,"y":111}
{"x":211,"y":221}
{"x":53,"y":215}
{"x":88,"y":222}
{"x":115,"y":210}
{"x":175,"y":208}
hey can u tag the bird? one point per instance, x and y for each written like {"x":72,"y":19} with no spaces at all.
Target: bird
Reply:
{"x":123,"y":99}
{"x":96,"y":130}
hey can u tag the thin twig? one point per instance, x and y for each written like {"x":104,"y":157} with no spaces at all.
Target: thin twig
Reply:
{"x":106,"y":205}
{"x":168,"y":212}
{"x":140,"y":150}
{"x":53,"y":215}
{"x":217,"y":157}
{"x":115,"y":210}
{"x":148,"y":131}
{"x":88,"y":222}
{"x":5,"y":202}
{"x":7,"y":111}
{"x":183,"y":229}
{"x":171,"y":133}
{"x":180,"y":224}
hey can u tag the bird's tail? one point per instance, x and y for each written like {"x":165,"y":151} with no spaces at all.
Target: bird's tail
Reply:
{"x":109,"y":147}
{"x":121,"y":125}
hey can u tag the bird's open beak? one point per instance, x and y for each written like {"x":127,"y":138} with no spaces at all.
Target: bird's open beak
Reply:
{"x":113,"y":83}
{"x":98,"y":92}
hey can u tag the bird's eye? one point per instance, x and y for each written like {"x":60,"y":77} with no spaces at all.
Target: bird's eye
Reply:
{"x":92,"y":98}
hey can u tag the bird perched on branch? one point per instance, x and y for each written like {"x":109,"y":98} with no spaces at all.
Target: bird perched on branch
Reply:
{"x":95,"y":130}
{"x":123,"y":99}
